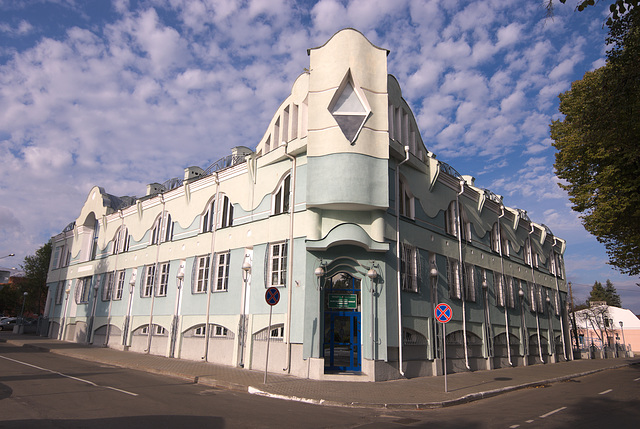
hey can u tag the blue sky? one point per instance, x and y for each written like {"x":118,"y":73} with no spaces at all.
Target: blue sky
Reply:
{"x":124,"y":93}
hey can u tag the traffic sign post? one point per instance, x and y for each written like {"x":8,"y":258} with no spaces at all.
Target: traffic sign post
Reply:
{"x":272,"y":296}
{"x":443,"y":314}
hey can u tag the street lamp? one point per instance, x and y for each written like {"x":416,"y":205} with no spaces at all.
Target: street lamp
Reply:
{"x":246,"y":270}
{"x":10,"y":254}
{"x":22,"y":311}
{"x":624,"y":344}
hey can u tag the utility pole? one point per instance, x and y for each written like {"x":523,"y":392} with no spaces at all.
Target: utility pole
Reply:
{"x":573,"y":313}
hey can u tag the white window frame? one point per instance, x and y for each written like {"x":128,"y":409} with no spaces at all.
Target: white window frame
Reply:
{"x":495,"y":238}
{"x":451,"y":219}
{"x":219,"y":331}
{"x":119,"y":285}
{"x":149,"y":281}
{"x":278,"y":264}
{"x":107,"y":286}
{"x":156,"y":232}
{"x":453,"y":278}
{"x":83,"y":288}
{"x":280,"y":199}
{"x":470,"y":282}
{"x":163,"y":279}
{"x":221,"y":280}
{"x":409,"y":268}
{"x":199,"y":331}
{"x":277,"y":332}
{"x":201,"y":278}
{"x":121,"y":241}
{"x":213,"y":215}
{"x":499,"y":289}
{"x":167,"y":233}
{"x":510,"y":297}
{"x":59,"y":292}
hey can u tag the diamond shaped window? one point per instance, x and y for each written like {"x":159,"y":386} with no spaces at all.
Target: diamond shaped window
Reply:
{"x":349,"y":108}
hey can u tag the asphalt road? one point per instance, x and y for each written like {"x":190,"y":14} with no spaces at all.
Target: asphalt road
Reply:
{"x":45,"y":390}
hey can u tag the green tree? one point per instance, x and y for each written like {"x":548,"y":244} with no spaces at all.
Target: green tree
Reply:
{"x":598,"y":155}
{"x":613,"y":299}
{"x":617,"y":8}
{"x":36,"y":268}
{"x":598,"y":293}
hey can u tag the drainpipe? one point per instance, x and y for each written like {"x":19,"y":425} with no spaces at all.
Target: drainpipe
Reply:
{"x":214,"y":227}
{"x":155,"y":276}
{"x":564,"y":346}
{"x":398,"y":259}
{"x":533,"y":278}
{"x":292,"y":206}
{"x":114,"y":285}
{"x":506,"y":312}
{"x":464,"y":311}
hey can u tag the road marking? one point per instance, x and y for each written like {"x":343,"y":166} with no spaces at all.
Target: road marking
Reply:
{"x":552,"y":412}
{"x":605,"y":392}
{"x":637,"y":379}
{"x":514,"y":426}
{"x":530,"y":421}
{"x":69,"y":376}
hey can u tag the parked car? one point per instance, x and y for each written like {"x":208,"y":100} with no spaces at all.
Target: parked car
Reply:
{"x":7,"y":323}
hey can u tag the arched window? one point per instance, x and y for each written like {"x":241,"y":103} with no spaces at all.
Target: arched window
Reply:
{"x":121,"y":240}
{"x":451,"y":217}
{"x":280,"y":198}
{"x":223,"y":213}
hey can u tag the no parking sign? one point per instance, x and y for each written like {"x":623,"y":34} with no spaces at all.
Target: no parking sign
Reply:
{"x":443,"y":313}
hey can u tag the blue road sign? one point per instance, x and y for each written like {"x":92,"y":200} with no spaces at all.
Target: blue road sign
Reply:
{"x":443,"y":313}
{"x":272,"y":296}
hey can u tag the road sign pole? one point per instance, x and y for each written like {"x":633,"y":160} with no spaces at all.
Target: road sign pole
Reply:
{"x":444,"y":355}
{"x":266,"y":359}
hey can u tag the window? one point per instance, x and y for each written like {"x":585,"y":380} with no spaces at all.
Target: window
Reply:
{"x":451,"y":219}
{"x":223,"y":217}
{"x":406,"y":200}
{"x":94,"y":241}
{"x":59,"y":292}
{"x":199,"y":331}
{"x":202,"y":274}
{"x":168,"y":228}
{"x":533,"y":296}
{"x":222,"y":271}
{"x":220,"y":331}
{"x":156,"y":330}
{"x":277,"y":332}
{"x":277,"y":264}
{"x":107,"y":286}
{"x":58,"y":256}
{"x":470,"y":282}
{"x":83,"y":288}
{"x":465,"y":226}
{"x":527,"y":252}
{"x":453,"y":278}
{"x":499,"y":289}
{"x":119,"y":286}
{"x":349,"y":108}
{"x":495,"y":238}
{"x":163,"y":281}
{"x":149,"y":279}
{"x":509,"y":295}
{"x":409,"y":268}
{"x":121,"y":241}
{"x":281,"y":196}
{"x":155,"y":231}
{"x":506,"y":247}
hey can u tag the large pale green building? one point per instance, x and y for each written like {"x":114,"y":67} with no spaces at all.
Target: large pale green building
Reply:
{"x":343,"y":209}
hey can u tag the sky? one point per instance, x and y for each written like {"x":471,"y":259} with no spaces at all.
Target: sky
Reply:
{"x":123,"y":93}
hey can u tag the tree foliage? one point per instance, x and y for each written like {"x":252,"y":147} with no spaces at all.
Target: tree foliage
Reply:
{"x":606,"y":294}
{"x":35,"y":268}
{"x":598,"y":146}
{"x":617,"y":8}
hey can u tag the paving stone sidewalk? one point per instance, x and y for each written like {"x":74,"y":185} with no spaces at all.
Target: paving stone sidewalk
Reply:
{"x":415,"y":393}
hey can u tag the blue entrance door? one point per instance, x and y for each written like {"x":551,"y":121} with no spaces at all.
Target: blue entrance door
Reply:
{"x":342,"y":344}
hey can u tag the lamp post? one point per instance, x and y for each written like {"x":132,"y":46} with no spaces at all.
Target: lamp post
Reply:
{"x":319,"y":273}
{"x":523,"y":328}
{"x":372,"y":275}
{"x":24,"y":298}
{"x":624,"y":344}
{"x":551,"y":341}
{"x":433,"y":278}
{"x":246,"y":270}
{"x":7,"y":256}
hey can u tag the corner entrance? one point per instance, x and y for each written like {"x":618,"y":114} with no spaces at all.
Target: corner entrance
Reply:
{"x":342,"y":344}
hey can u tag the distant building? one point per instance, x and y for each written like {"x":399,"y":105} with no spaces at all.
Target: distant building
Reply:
{"x":603,"y":325}
{"x":344,"y":210}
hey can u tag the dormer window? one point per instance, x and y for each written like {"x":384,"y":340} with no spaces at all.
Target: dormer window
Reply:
{"x":281,"y":197}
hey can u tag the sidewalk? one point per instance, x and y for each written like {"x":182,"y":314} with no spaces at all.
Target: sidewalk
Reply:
{"x":416,"y":393}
